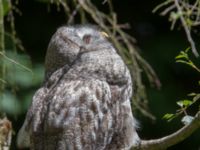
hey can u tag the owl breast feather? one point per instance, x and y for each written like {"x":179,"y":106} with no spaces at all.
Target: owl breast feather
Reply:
{"x":103,"y":64}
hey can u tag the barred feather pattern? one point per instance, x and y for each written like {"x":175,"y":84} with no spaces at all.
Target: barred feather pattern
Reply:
{"x":84,"y":102}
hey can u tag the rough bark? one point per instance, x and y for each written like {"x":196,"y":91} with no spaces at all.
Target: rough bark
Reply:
{"x":5,"y":134}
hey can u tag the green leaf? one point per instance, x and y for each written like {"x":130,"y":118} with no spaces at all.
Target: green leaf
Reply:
{"x":184,"y":103}
{"x":180,"y":103}
{"x":187,"y":49}
{"x":6,"y":7}
{"x":182,"y":61}
{"x":181,"y":55}
{"x":174,"y":15}
{"x":168,"y":117}
{"x":192,"y":94}
{"x":187,"y":102}
{"x":195,"y":98}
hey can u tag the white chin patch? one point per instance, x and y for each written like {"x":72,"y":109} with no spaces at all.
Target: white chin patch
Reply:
{"x":84,"y":31}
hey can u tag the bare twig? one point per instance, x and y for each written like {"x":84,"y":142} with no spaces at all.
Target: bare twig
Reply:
{"x":15,"y":62}
{"x":71,"y":18}
{"x":167,"y":10}
{"x":16,"y":41}
{"x":186,"y":28}
{"x":104,"y":1}
{"x":167,"y":2}
{"x":1,"y":26}
{"x":66,"y":7}
{"x":196,"y":24}
{"x":188,"y":13}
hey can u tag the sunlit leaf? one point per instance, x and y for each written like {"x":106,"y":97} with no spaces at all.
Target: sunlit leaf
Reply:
{"x":192,"y":94}
{"x":6,"y":6}
{"x":185,"y":103}
{"x":174,"y":15}
{"x":168,"y":116}
{"x":180,"y":103}
{"x":189,"y":22}
{"x":195,"y":98}
{"x":181,"y":55}
{"x":187,"y":50}
{"x":187,"y":119}
{"x":182,"y":61}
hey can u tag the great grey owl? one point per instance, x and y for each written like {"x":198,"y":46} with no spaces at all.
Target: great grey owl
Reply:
{"x":84,"y":102}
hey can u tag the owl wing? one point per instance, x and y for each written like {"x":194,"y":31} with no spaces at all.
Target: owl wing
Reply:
{"x":36,"y":112}
{"x":33,"y":118}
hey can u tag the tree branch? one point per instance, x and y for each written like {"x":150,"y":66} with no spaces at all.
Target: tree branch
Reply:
{"x":5,"y":134}
{"x":186,"y":28}
{"x":2,"y":46}
{"x":172,"y":139}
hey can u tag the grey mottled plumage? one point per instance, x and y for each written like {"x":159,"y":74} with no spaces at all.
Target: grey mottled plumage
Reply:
{"x":84,"y":101}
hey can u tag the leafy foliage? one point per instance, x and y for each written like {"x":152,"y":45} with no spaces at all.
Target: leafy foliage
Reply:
{"x":183,"y":105}
{"x":183,"y":57}
{"x":20,"y":75}
{"x":16,"y":71}
{"x":188,"y":12}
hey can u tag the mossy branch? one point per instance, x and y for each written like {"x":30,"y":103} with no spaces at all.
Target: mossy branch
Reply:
{"x":186,"y":28}
{"x":2,"y":48}
{"x":5,"y":134}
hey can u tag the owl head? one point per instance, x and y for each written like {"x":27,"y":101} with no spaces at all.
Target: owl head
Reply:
{"x":91,"y":36}
{"x":69,"y":41}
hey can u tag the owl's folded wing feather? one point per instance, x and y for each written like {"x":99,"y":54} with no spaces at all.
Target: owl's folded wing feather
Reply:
{"x":34,"y":112}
